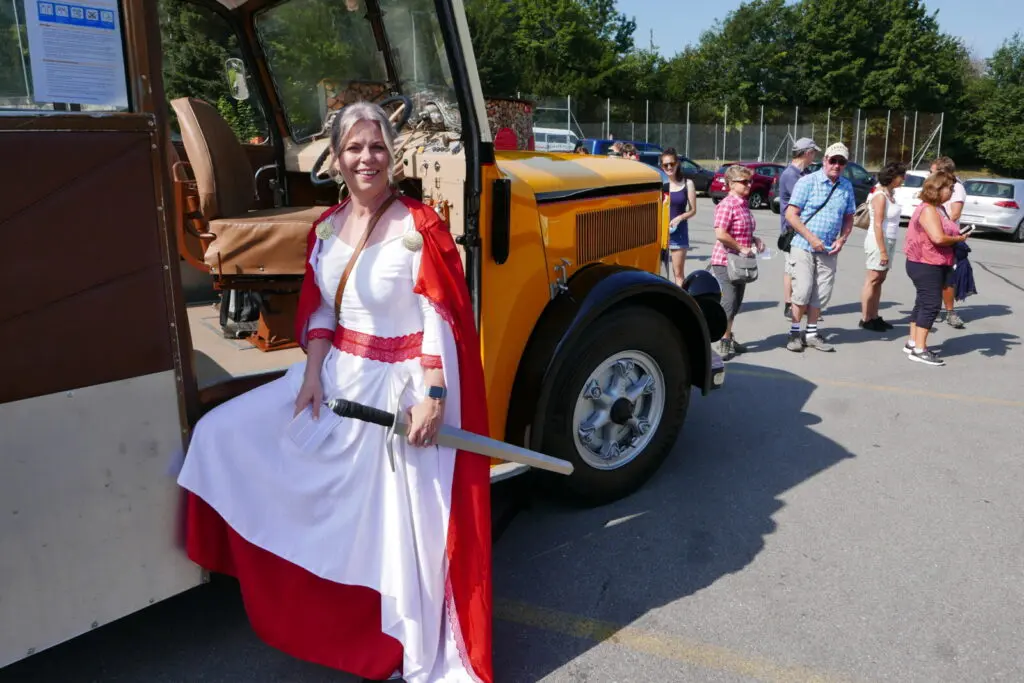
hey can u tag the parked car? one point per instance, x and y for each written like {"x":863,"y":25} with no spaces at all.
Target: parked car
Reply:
{"x":994,"y":205}
{"x":863,"y":182}
{"x":764,"y":174}
{"x":906,"y":194}
{"x":700,"y":176}
{"x":602,"y":146}
{"x":554,"y":140}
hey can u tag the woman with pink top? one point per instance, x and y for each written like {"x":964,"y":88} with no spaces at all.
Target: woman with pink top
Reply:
{"x":929,"y":246}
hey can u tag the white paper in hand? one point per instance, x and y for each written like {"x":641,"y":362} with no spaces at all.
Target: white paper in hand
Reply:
{"x":308,"y":434}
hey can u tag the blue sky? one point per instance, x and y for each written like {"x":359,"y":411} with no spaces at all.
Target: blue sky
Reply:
{"x":677,"y":23}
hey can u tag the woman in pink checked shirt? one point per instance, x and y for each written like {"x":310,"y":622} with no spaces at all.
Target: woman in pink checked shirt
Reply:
{"x":734,"y":230}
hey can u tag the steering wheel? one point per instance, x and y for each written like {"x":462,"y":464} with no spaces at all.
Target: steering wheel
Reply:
{"x":398,"y":119}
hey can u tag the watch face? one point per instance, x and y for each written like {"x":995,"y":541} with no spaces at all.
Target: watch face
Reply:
{"x":436,"y":392}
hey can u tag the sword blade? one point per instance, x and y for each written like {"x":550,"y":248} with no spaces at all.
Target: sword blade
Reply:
{"x":474,"y":443}
{"x":450,"y":437}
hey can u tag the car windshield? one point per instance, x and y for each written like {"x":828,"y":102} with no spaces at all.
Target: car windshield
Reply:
{"x":913,"y":181}
{"x":980,"y":188}
{"x":322,"y":55}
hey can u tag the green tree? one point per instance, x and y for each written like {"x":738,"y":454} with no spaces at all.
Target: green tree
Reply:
{"x":1000,"y":113}
{"x":491,"y":24}
{"x":754,"y":57}
{"x":12,"y":74}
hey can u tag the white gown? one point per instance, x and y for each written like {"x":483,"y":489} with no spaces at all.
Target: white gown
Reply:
{"x":341,"y":513}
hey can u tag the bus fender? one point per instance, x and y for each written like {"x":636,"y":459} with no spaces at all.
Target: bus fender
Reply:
{"x":590,"y":293}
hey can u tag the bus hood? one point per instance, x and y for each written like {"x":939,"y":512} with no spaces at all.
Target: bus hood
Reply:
{"x":578,"y":176}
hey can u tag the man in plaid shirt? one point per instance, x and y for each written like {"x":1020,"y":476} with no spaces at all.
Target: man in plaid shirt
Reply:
{"x":826,"y":198}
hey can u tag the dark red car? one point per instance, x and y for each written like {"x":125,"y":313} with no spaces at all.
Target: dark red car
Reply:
{"x":764,"y":174}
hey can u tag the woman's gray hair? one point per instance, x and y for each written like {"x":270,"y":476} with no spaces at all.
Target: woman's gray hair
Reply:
{"x":353,"y":114}
{"x":737,"y":172}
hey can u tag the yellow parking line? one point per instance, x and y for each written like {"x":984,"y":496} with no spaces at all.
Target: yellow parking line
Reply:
{"x":657,"y":644}
{"x":968,"y":398}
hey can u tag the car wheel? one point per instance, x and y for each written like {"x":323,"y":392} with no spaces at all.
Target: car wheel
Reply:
{"x":755,"y":201}
{"x":716,"y":199}
{"x":1018,"y":236}
{"x":618,"y":408}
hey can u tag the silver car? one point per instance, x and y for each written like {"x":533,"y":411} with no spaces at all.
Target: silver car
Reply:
{"x":995,"y":205}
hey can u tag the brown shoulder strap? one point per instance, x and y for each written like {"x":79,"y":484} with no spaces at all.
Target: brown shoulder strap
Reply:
{"x":355,"y":256}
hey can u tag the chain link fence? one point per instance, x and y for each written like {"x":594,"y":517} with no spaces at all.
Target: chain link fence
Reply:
{"x":712,"y":135}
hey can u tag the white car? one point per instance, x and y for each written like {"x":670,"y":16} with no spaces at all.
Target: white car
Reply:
{"x":906,"y":194}
{"x":554,"y":139}
{"x":994,"y":205}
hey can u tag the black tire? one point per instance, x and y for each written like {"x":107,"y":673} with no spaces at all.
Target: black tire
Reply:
{"x":631,"y":329}
{"x":716,"y":199}
{"x":756,"y":201}
{"x":1018,"y":235}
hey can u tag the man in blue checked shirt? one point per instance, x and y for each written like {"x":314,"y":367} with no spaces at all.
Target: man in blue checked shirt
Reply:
{"x":826,"y":198}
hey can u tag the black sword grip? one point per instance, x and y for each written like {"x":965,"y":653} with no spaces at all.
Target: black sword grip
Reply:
{"x":358,"y":411}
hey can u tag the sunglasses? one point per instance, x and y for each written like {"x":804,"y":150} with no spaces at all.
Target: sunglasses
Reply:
{"x":746,"y":181}
{"x":669,"y":164}
{"x":837,"y":161}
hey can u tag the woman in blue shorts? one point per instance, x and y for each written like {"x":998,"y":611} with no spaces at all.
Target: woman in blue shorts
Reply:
{"x":682,"y":207}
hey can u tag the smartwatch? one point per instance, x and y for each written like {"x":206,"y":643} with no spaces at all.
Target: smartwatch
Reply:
{"x":437,"y":393}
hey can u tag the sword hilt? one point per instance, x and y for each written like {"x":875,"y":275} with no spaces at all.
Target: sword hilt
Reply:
{"x":358,"y":411}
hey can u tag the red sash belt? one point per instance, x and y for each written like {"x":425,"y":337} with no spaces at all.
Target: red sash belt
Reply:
{"x":383,"y":349}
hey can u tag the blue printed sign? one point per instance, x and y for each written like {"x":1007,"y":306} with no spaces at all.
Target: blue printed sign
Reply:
{"x":75,"y":15}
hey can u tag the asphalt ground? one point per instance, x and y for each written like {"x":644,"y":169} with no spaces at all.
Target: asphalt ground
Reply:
{"x":849,"y":516}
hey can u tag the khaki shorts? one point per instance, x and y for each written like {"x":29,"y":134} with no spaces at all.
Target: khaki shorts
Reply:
{"x":813,"y":274}
{"x":874,"y":255}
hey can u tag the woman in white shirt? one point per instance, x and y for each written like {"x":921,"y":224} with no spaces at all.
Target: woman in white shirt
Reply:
{"x":880,"y":244}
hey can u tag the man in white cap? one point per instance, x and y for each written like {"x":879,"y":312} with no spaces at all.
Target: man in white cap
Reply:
{"x":821,"y":212}
{"x":804,"y":153}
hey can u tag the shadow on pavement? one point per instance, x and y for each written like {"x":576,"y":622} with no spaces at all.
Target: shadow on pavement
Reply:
{"x":703,"y":516}
{"x":854,"y":307}
{"x":989,"y":344}
{"x":200,"y":635}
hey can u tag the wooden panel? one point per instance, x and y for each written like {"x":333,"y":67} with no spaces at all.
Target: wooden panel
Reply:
{"x":80,"y":261}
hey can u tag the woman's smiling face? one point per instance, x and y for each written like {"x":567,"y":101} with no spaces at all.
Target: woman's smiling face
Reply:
{"x":364,"y":159}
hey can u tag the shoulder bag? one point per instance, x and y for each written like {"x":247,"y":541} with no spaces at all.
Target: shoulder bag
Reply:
{"x":740,"y":268}
{"x":786,"y":238}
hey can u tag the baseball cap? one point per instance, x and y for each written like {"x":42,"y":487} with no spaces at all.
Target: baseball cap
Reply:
{"x":837,"y":149}
{"x":804,"y":145}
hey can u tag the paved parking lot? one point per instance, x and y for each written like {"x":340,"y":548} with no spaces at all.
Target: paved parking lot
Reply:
{"x":825,"y":517}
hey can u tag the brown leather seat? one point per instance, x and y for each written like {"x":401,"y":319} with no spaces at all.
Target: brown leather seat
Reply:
{"x":245,"y":242}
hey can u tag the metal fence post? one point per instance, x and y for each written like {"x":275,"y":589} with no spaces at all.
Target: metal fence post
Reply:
{"x":608,"y":116}
{"x":661,"y":134}
{"x":687,"y":128}
{"x":942,"y":123}
{"x":568,"y":112}
{"x":725,"y":129}
{"x":760,"y":137}
{"x":913,"y":143}
{"x":864,"y":143}
{"x":716,"y":142}
{"x":856,"y":136}
{"x":796,"y":122}
{"x":885,"y":150}
{"x":647,"y":122}
{"x":828,"y":125}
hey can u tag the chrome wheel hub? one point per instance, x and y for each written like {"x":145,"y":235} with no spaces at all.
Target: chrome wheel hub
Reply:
{"x":619,"y":409}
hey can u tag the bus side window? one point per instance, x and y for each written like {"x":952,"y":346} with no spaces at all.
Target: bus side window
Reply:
{"x":54,"y":28}
{"x":202,"y":59}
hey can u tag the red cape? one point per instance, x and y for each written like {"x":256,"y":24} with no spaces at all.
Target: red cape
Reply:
{"x":442,"y":280}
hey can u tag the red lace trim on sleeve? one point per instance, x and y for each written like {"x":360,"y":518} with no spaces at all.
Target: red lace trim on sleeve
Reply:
{"x":319,"y":333}
{"x":431,"y":362}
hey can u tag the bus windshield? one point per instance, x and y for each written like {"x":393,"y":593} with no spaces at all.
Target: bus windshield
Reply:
{"x":323,"y":54}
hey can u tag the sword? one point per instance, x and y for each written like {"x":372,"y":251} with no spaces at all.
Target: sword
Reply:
{"x":450,"y":437}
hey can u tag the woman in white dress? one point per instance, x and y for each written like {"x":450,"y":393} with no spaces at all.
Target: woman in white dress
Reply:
{"x":346,"y":558}
{"x":880,"y":244}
